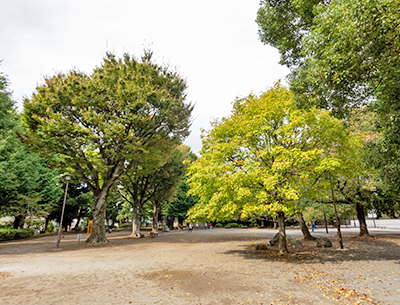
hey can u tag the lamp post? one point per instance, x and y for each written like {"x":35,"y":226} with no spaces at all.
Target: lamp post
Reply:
{"x":67,"y":177}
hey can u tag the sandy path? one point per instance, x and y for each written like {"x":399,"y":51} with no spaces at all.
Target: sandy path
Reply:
{"x":204,"y":267}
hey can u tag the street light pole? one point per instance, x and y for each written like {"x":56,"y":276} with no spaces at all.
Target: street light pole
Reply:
{"x":67,"y":177}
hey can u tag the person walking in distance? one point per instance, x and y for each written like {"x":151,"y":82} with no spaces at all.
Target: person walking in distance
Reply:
{"x":205,"y":226}
{"x":210,"y":226}
{"x":190,"y":228}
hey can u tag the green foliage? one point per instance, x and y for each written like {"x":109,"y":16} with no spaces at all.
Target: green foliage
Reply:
{"x":232,"y":225}
{"x":103,"y":124}
{"x":9,"y":234}
{"x":218,"y":225}
{"x":36,"y":225}
{"x":126,"y":225}
{"x":344,"y":54}
{"x":153,"y":183}
{"x":125,"y":213}
{"x":318,"y":211}
{"x":352,"y":55}
{"x":264,"y":157}
{"x":27,"y":184}
{"x":6,"y":225}
{"x":50,"y":227}
{"x":283,"y":24}
{"x":78,"y":203}
{"x":183,"y":201}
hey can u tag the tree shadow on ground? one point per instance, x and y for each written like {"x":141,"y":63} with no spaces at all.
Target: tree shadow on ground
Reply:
{"x":385,"y":247}
{"x":47,"y":244}
{"x":355,"y":249}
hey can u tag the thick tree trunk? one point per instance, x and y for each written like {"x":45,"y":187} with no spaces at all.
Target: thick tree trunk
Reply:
{"x":99,"y":215}
{"x":282,"y":233}
{"x":361,"y":219}
{"x":18,"y":222}
{"x":155,"y":218}
{"x":303,"y":227}
{"x":79,"y":218}
{"x":136,"y":225}
{"x":170,"y":222}
{"x":326,"y":224}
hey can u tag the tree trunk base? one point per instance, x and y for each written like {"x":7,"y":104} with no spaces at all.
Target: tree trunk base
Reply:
{"x":92,"y":240}
{"x":310,"y":238}
{"x":282,"y":234}
{"x":364,"y":234}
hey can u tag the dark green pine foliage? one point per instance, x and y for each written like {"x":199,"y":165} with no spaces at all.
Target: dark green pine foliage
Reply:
{"x":27,"y":185}
{"x":183,"y":202}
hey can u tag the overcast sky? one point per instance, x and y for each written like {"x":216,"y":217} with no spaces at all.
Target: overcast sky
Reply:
{"x":213,"y":44}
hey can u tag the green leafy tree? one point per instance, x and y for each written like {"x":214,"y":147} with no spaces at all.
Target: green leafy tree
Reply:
{"x":183,"y":202}
{"x":264,"y":158}
{"x":77,"y":206}
{"x":344,"y":54}
{"x":283,"y":24}
{"x":27,"y":185}
{"x":153,"y":183}
{"x":179,"y":207}
{"x":353,"y":59}
{"x":351,"y":55}
{"x":100,"y":124}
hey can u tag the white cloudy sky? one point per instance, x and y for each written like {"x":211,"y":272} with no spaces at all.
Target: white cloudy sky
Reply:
{"x":214,"y":45}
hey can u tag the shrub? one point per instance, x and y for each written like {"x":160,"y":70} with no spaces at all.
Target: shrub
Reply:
{"x":50,"y":227}
{"x":7,"y":225}
{"x":9,"y":234}
{"x":232,"y":225}
{"x":125,"y":225}
{"x":36,"y":225}
{"x":218,"y":225}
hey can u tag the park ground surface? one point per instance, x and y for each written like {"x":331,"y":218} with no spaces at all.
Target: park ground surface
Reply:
{"x":217,"y":266}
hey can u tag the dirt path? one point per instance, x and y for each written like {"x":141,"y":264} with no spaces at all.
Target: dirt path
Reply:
{"x":203,"y":267}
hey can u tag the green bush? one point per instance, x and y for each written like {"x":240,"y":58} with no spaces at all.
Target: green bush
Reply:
{"x":218,"y":225}
{"x":232,"y":225}
{"x":125,"y":225}
{"x":50,"y":227}
{"x":36,"y":225}
{"x":9,"y":234}
{"x":8,"y":225}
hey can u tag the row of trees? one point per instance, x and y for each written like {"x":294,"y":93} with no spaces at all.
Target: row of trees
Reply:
{"x":118,"y":130}
{"x":27,"y":185}
{"x":333,"y":135}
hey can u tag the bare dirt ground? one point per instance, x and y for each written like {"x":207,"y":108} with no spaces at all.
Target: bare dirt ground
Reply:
{"x":217,"y":266}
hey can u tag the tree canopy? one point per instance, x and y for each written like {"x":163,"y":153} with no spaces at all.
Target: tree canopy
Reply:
{"x":27,"y":185}
{"x":100,"y":124}
{"x":283,"y":24}
{"x":352,"y":55}
{"x":265,"y":157}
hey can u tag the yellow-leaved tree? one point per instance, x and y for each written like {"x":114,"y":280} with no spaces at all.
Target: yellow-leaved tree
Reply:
{"x":264,"y":157}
